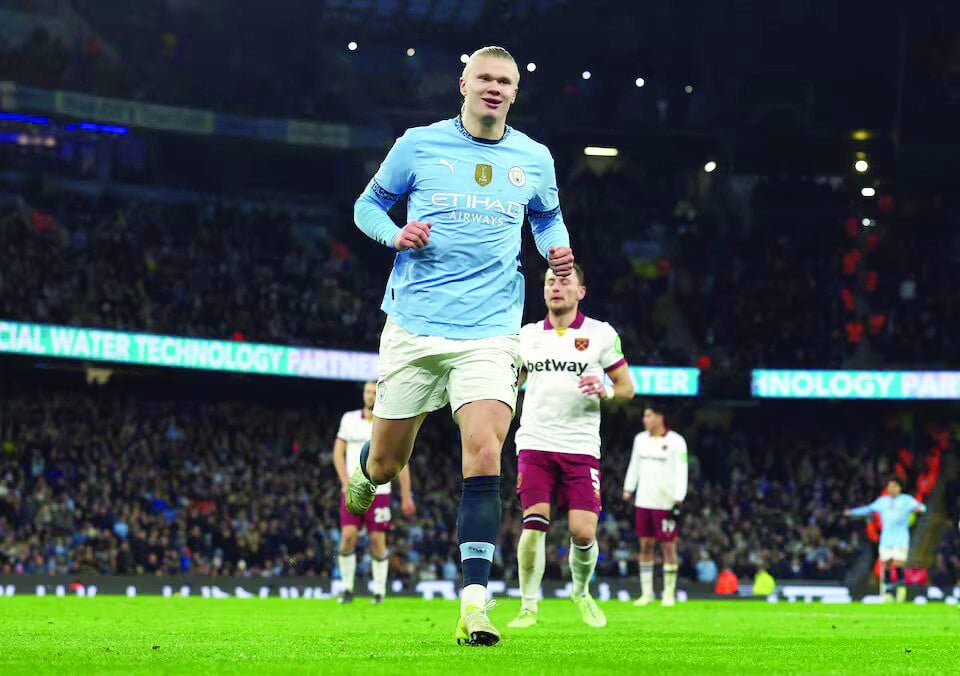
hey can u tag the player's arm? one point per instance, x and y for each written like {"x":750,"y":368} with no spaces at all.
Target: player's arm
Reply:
{"x":340,"y":462}
{"x":865,"y":510}
{"x":392,"y":181}
{"x":615,"y":366}
{"x":406,"y":493}
{"x":633,"y":472}
{"x":522,"y":379}
{"x":546,"y":221}
{"x":918,"y":506}
{"x":681,"y":467}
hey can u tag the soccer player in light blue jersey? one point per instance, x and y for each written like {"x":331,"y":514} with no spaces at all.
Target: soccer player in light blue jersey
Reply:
{"x":454,"y":300}
{"x":895,"y":510}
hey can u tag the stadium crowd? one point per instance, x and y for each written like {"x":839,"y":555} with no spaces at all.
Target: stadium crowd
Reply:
{"x":122,"y":483}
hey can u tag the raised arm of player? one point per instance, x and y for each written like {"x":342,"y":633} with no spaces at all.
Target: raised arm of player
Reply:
{"x":680,"y":472}
{"x":546,"y":221}
{"x":392,"y":181}
{"x":633,"y":471}
{"x":406,"y":493}
{"x":340,"y":462}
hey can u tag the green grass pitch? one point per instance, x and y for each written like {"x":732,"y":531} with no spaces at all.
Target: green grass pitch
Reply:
{"x":412,"y":636}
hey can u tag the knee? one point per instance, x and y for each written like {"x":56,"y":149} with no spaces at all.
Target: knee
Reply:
{"x":482,"y":458}
{"x":383,"y":470}
{"x":348,"y":543}
{"x":582,"y":534}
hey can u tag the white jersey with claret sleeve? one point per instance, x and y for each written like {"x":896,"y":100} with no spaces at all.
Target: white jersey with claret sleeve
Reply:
{"x":657,"y":474}
{"x":355,"y":429}
{"x":557,"y":416}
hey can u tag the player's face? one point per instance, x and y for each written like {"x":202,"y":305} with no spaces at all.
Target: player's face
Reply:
{"x":652,"y":422}
{"x":490,"y":88}
{"x":562,"y":294}
{"x":369,"y":394}
{"x":893,"y":488}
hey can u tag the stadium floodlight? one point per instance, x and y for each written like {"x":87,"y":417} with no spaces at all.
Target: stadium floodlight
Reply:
{"x":411,"y":51}
{"x":868,"y":192}
{"x":464,"y":58}
{"x":586,"y":75}
{"x":688,"y":89}
{"x":710,"y":167}
{"x":639,"y":82}
{"x":600,"y":151}
{"x":861,"y":166}
{"x":352,"y":46}
{"x":531,"y":67}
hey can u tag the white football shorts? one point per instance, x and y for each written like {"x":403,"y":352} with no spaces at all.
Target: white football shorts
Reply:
{"x":419,"y":374}
{"x":894,"y":553}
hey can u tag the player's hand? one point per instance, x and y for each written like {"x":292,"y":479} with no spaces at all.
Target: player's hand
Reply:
{"x":414,"y":235}
{"x":560,"y":260}
{"x":592,"y":385}
{"x":408,"y":506}
{"x":343,"y":488}
{"x":846,"y":512}
{"x":627,"y":496}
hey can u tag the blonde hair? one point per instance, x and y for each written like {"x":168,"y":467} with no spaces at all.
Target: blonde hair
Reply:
{"x":493,"y":51}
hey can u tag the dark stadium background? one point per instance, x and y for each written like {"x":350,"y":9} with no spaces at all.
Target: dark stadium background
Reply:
{"x":774,"y":259}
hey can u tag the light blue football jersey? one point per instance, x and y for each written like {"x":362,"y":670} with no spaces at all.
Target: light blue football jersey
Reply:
{"x":466,"y":283}
{"x":895,"y":517}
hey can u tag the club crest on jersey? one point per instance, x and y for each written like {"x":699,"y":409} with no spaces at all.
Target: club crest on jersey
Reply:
{"x":517,"y":177}
{"x":483,"y":174}
{"x":581,"y":343}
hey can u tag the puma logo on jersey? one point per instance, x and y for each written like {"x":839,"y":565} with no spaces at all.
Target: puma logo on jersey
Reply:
{"x":577,"y":368}
{"x":449,"y":164}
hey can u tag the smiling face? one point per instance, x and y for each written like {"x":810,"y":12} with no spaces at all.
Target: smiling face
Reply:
{"x":489,"y":87}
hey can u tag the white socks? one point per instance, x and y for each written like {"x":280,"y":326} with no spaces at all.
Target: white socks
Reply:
{"x":473,"y":595}
{"x":670,"y":579}
{"x":379,"y":568}
{"x":583,"y":561}
{"x":348,"y":569}
{"x":646,"y":579}
{"x":531,"y":560}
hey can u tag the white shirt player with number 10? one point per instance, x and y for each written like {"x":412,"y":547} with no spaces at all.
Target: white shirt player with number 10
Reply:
{"x":557,"y":416}
{"x":658,"y":470}
{"x":355,"y":429}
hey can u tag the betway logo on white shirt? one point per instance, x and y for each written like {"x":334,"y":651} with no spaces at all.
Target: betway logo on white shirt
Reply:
{"x":556,"y":416}
{"x":355,"y":429}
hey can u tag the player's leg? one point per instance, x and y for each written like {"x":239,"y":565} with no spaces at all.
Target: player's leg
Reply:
{"x":347,"y":557}
{"x":670,"y":566}
{"x":886,"y":571}
{"x":531,"y":562}
{"x":381,"y":459}
{"x":584,"y":553}
{"x":579,"y":491}
{"x":665,"y":532}
{"x":482,"y":388}
{"x":412,"y":382}
{"x":483,"y":428}
{"x":899,"y":585}
{"x":535,"y":486}
{"x":379,"y":564}
{"x":645,"y":560}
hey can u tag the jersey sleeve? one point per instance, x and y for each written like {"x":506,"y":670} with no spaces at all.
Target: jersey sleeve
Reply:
{"x":633,"y":469}
{"x":680,"y":470}
{"x":543,"y":211}
{"x":866,"y":510}
{"x":393,"y":180}
{"x":611,"y":356}
{"x":916,"y":504}
{"x":344,"y":423}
